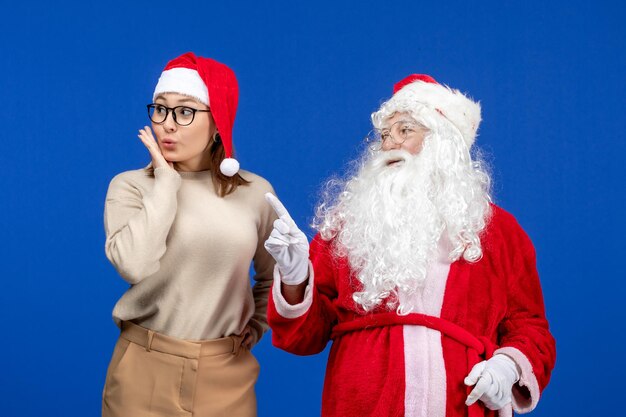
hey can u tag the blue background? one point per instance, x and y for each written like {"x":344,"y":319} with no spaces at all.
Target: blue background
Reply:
{"x":74,"y":79}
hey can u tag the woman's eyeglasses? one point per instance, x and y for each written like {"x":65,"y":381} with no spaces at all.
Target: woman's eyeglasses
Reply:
{"x":182,"y":115}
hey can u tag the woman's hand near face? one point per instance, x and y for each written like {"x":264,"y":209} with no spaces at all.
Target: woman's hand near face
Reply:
{"x":158,"y":160}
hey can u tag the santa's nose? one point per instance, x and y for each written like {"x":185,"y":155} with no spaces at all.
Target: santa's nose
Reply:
{"x":389,"y":145}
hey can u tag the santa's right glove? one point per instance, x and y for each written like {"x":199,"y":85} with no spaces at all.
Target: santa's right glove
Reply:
{"x":288,"y":245}
{"x":494,"y":381}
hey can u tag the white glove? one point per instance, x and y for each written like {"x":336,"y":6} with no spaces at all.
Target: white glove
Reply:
{"x":288,"y":245}
{"x":494,"y":381}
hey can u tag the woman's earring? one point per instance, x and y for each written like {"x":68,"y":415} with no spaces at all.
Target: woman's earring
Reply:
{"x":217,"y":138}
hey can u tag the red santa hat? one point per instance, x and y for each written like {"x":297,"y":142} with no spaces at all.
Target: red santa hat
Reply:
{"x":211,"y":83}
{"x":421,"y":89}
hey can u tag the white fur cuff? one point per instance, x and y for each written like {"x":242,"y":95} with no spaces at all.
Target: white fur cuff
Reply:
{"x":521,"y":403}
{"x":285,"y":309}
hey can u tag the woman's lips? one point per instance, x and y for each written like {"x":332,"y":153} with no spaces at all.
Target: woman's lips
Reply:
{"x":168,"y":144}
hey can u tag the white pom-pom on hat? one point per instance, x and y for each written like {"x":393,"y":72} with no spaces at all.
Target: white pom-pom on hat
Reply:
{"x":229,"y":167}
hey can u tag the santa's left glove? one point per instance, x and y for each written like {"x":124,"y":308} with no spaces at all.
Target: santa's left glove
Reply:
{"x":494,"y":380}
{"x":288,"y":245}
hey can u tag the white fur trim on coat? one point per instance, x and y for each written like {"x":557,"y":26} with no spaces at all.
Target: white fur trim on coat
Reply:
{"x":285,"y":309}
{"x":521,"y":403}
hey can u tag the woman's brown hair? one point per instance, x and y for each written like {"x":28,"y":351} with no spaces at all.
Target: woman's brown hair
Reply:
{"x":223,"y":185}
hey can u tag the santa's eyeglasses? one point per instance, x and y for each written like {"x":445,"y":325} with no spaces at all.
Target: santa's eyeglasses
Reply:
{"x":398,"y":133}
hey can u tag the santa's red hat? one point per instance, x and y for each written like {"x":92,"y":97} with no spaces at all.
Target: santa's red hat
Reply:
{"x":213,"y":84}
{"x":423,"y":90}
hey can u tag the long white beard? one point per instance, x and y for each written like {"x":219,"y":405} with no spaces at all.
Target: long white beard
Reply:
{"x":388,"y":220}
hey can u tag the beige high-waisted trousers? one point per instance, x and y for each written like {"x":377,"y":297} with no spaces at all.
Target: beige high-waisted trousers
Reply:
{"x":153,"y":375}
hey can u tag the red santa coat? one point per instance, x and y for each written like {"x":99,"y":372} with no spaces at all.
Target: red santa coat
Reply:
{"x":382,"y":364}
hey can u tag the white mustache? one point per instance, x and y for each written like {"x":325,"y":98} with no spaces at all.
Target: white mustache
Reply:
{"x":382,"y":160}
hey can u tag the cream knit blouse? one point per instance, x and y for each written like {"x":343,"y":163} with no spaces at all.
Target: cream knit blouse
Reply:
{"x":186,"y":252}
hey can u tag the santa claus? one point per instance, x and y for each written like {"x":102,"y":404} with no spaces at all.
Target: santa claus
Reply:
{"x":428,"y":291}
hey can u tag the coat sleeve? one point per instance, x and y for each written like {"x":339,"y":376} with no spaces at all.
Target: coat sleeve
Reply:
{"x":524,"y":332}
{"x":137,"y":225}
{"x":305,"y":328}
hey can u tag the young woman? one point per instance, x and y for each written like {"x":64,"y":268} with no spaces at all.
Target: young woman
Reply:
{"x":183,"y":232}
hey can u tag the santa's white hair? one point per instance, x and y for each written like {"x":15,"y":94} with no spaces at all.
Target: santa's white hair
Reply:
{"x":388,"y":219}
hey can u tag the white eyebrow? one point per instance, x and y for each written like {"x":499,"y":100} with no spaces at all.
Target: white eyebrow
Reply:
{"x":402,"y":122}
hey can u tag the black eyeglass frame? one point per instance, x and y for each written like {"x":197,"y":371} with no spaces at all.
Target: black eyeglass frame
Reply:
{"x":173,"y":110}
